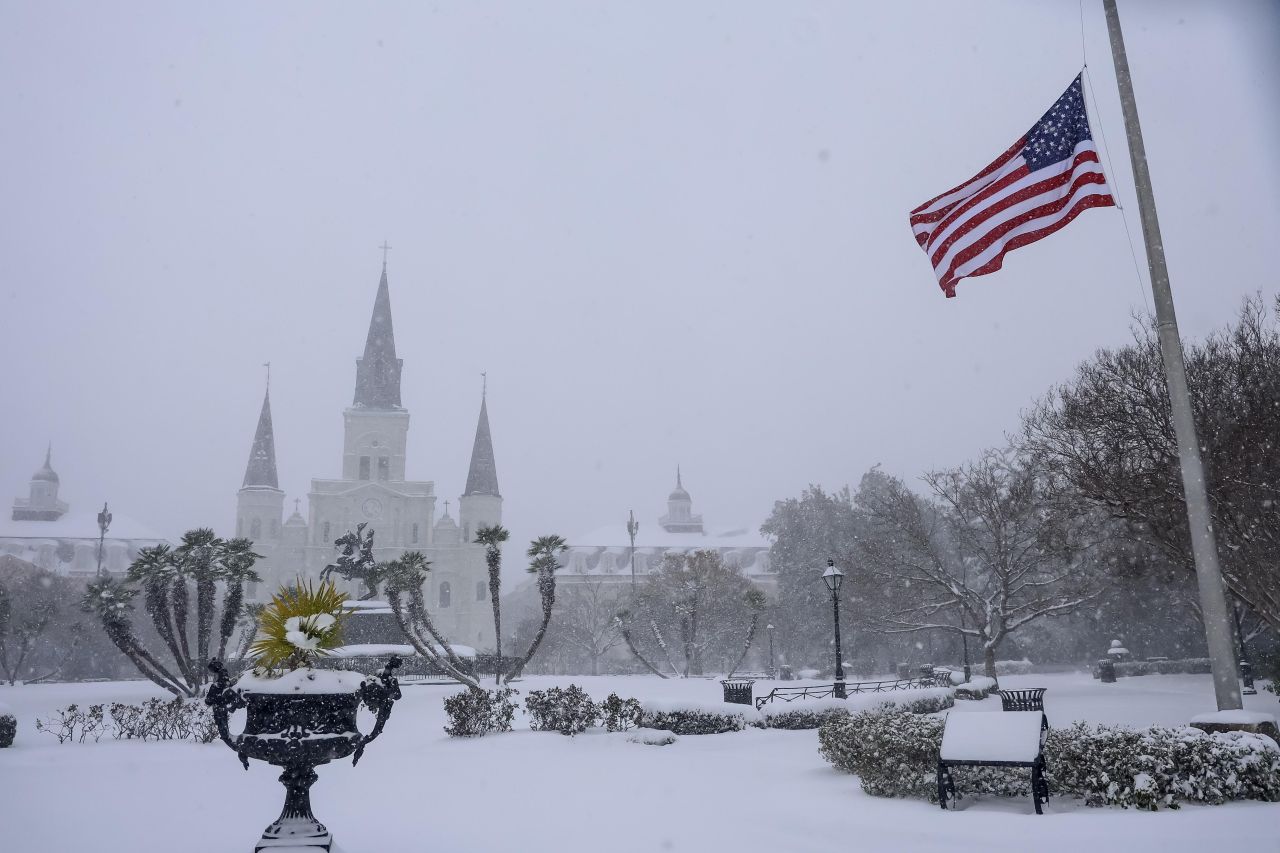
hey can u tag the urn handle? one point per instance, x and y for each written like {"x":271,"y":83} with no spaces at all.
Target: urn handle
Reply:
{"x":379,"y":693}
{"x":224,"y":700}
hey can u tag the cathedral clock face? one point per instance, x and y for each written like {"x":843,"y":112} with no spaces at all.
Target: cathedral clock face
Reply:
{"x":372,"y":508}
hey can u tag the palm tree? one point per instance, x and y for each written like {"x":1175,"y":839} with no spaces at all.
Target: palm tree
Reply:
{"x":544,"y":561}
{"x":237,"y":560}
{"x":492,"y":537}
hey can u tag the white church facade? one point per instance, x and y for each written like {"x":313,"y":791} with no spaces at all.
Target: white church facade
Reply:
{"x":372,"y":489}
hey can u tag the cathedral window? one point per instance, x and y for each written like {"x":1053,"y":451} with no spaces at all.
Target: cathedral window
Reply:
{"x":479,"y":590}
{"x":384,"y":468}
{"x":414,"y":536}
{"x":325,"y":536}
{"x":445,"y":594}
{"x":364,"y":467}
{"x":255,"y":530}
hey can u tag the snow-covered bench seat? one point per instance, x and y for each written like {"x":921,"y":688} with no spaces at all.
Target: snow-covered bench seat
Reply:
{"x":982,"y":739}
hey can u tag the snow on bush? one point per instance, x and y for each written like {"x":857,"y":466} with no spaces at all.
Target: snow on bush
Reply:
{"x":73,"y":724}
{"x":697,"y":718}
{"x":652,"y":737}
{"x":8,"y":726}
{"x":1013,"y":667}
{"x":895,"y":754}
{"x":475,"y":713}
{"x":1186,"y":666}
{"x":977,"y":687}
{"x":568,"y":711}
{"x":811,"y":714}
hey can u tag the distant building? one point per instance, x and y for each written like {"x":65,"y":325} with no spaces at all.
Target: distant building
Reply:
{"x":44,"y":531}
{"x":373,"y":489}
{"x":606,"y":553}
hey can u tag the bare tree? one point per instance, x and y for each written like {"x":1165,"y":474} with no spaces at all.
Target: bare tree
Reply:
{"x":693,"y":605}
{"x":586,"y":617}
{"x":1108,"y":435}
{"x":989,"y":553}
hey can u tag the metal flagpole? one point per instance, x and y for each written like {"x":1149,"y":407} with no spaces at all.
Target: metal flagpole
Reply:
{"x":1213,"y":602}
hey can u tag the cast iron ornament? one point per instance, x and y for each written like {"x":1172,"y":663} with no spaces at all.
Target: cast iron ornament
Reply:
{"x":299,"y":733}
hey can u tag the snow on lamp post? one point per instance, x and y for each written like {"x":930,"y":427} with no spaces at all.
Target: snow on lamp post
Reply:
{"x":833,"y":577}
{"x":104,"y":521}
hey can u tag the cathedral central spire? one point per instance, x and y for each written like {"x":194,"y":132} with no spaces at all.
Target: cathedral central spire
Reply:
{"x":378,"y":371}
{"x":261,"y":469}
{"x":482,"y":477}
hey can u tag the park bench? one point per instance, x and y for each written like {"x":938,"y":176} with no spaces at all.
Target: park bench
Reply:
{"x":823,"y":691}
{"x":1012,"y":738}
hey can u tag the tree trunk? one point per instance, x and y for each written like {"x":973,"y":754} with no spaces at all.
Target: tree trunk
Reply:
{"x":989,"y":660}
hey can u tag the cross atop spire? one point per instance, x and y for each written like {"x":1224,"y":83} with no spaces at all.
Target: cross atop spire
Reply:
{"x":378,"y":371}
{"x":385,"y":247}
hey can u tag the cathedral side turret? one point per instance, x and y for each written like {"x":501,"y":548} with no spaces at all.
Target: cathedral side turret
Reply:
{"x":373,"y":490}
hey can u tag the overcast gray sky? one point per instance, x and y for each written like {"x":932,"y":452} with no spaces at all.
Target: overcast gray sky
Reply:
{"x":671,"y":232}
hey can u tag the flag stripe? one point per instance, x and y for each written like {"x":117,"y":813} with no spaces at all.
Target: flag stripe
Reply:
{"x":1046,"y":185}
{"x":968,"y":186}
{"x":997,"y":241}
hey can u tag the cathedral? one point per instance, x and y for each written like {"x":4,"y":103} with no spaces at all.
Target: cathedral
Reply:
{"x":373,"y":489}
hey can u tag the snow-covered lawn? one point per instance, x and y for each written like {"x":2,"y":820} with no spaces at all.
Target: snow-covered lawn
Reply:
{"x":418,"y":791}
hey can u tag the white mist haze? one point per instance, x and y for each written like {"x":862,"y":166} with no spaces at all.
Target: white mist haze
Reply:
{"x":670,"y":233}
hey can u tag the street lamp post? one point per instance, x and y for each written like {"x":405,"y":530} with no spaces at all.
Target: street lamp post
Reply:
{"x":773,"y":673}
{"x":104,"y":521}
{"x":964,"y":637}
{"x":633,"y":527}
{"x":833,"y":577}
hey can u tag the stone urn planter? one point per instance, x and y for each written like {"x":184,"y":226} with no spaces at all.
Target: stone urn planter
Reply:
{"x":298,"y":721}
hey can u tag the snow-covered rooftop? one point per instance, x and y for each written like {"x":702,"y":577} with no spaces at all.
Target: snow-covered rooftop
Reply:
{"x":78,"y":525}
{"x":651,"y":535}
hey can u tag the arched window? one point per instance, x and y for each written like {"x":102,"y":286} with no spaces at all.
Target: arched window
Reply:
{"x":445,"y":594}
{"x":255,"y":530}
{"x":364,"y":467}
{"x":384,"y":468}
{"x":479,"y":590}
{"x":325,"y":536}
{"x":414,"y":538}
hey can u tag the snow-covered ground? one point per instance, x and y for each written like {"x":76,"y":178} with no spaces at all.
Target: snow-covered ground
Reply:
{"x":536,"y":792}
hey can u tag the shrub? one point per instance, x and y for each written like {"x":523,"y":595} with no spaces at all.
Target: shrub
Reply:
{"x":977,"y":687}
{"x":8,"y":726}
{"x":813,"y":713}
{"x":159,"y":720}
{"x":892,"y":751}
{"x":475,"y":713}
{"x":1013,"y":667}
{"x":620,"y":714}
{"x":895,"y":754}
{"x":1186,"y":666}
{"x":693,"y":718}
{"x":652,"y":737}
{"x":568,"y":711}
{"x":74,"y":725}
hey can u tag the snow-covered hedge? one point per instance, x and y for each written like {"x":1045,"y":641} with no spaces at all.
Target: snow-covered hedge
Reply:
{"x":8,"y":726}
{"x":895,"y":754}
{"x":697,"y":718}
{"x":1185,"y":666}
{"x":1013,"y":667}
{"x":475,"y":713}
{"x":568,"y":711}
{"x":977,"y":687}
{"x":811,"y":714}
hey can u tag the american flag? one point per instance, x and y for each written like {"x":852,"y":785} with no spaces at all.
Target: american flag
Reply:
{"x":1040,"y":184}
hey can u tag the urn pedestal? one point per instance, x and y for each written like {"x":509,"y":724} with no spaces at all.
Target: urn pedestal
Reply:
{"x":299,"y":726}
